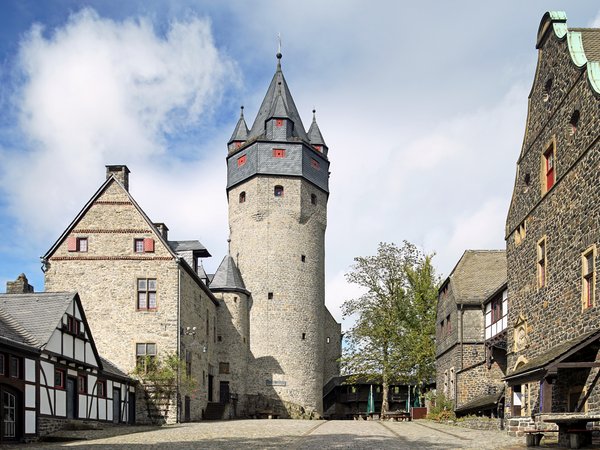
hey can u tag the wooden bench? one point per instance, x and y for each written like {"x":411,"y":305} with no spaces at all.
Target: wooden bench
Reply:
{"x":396,"y":416}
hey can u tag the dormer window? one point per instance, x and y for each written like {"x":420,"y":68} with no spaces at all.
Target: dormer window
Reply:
{"x":278,"y":191}
{"x":278,"y":153}
{"x":318,"y":148}
{"x":241,"y":160}
{"x":315,"y":164}
{"x":278,"y":122}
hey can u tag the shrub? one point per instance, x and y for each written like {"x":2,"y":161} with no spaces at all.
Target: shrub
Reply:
{"x":441,"y":409}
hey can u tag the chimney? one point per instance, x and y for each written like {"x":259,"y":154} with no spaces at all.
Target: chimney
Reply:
{"x":163,"y":230}
{"x":19,"y":286}
{"x":120,"y":172}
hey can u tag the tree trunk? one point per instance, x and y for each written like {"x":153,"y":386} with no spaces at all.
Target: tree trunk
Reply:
{"x":384,"y":400}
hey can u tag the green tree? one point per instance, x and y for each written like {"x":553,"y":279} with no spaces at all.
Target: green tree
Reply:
{"x":392,"y":337}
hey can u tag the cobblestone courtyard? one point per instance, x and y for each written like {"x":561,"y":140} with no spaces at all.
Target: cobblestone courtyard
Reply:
{"x":291,"y":435}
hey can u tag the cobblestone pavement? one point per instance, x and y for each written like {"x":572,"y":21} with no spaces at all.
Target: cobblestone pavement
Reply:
{"x":291,"y":435}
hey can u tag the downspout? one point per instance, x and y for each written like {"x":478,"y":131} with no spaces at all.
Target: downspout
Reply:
{"x":178,"y":399}
{"x":462,"y":313}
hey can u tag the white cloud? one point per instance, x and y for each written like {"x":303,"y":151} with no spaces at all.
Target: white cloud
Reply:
{"x":98,"y":91}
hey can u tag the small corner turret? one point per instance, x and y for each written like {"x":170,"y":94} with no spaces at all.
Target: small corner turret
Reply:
{"x":315,"y":136}
{"x":240,"y":133}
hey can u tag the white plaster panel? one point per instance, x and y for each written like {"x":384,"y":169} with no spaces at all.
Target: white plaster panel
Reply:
{"x":109,"y":410}
{"x":92,"y":384}
{"x":109,"y":388}
{"x":45,"y":399}
{"x":30,"y":370}
{"x":71,"y":372}
{"x":82,"y":406}
{"x":102,"y":409}
{"x":77,"y":313}
{"x":67,"y":345}
{"x":61,"y":403}
{"x":89,"y":355}
{"x":54,"y":342}
{"x":93,"y":409}
{"x":29,"y":422}
{"x":79,"y":350}
{"x":30,"y":396}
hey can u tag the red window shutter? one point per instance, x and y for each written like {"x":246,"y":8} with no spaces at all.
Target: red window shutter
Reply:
{"x":278,"y":122}
{"x":72,"y":244}
{"x":550,"y":178}
{"x":148,"y":245}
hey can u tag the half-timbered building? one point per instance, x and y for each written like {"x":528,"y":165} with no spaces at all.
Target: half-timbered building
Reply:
{"x":50,"y":369}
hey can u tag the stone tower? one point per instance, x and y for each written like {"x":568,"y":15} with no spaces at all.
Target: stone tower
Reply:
{"x":277,"y":188}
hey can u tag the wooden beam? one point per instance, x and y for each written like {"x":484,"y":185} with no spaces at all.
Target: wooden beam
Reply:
{"x":576,"y":365}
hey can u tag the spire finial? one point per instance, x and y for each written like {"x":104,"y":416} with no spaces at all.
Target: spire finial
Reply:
{"x":279,"y":55}
{"x":314,"y":113}
{"x":242,"y":111}
{"x":229,"y":246}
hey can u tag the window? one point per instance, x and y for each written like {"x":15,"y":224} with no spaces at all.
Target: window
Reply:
{"x":446,"y":383}
{"x":303,"y":258}
{"x":548,"y":168}
{"x":318,"y":148}
{"x":73,"y":325}
{"x":278,"y":153}
{"x":448,"y":324}
{"x":451,"y":387}
{"x":574,"y":122}
{"x":2,"y":369}
{"x":223,"y":367}
{"x":243,"y":197}
{"x":520,"y":233}
{"x":278,"y":191}
{"x":81,"y":384}
{"x":138,"y":245}
{"x":278,"y":122}
{"x":315,"y":164}
{"x":496,"y":309}
{"x":270,"y":296}
{"x":188,"y":363}
{"x":145,"y":356}
{"x":328,"y":339}
{"x":101,"y":388}
{"x":75,"y":244}
{"x":241,"y":160}
{"x":588,"y":273}
{"x":547,"y":89}
{"x":303,"y":336}
{"x":15,"y":367}
{"x":541,"y":262}
{"x":59,"y":379}
{"x":313,"y":199}
{"x":146,"y":293}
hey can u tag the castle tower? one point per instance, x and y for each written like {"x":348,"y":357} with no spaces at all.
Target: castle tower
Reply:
{"x":234,"y":339}
{"x":278,"y":187}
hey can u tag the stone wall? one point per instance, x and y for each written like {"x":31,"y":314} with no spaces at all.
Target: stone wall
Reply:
{"x":278,"y":244}
{"x":333,"y":347}
{"x":566,"y":216}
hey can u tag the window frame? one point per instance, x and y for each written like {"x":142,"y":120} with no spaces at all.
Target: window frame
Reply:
{"x":278,"y":191}
{"x":542,"y":262}
{"x":241,"y":160}
{"x":145,"y":360}
{"x":139,"y":241}
{"x":242,"y":197}
{"x":279,"y":153}
{"x":147,"y":293}
{"x":588,"y":278}
{"x":101,"y":388}
{"x":81,"y":383}
{"x":63,"y":378}
{"x":548,"y":167}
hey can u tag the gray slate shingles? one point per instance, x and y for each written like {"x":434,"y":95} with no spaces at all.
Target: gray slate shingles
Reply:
{"x":228,"y":277}
{"x":478,"y":274}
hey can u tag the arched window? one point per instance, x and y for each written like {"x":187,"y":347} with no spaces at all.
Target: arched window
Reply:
{"x":313,"y":199}
{"x":574,"y":122}
{"x":242,"y":196}
{"x":278,"y":191}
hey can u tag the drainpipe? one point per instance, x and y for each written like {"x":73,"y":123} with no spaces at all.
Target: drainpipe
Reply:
{"x":462,"y":313}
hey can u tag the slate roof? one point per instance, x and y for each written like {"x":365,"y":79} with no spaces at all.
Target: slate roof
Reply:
{"x":314,"y":133}
{"x":183,"y":246}
{"x":111,"y":369}
{"x":228,"y":277}
{"x":278,"y":89}
{"x":541,"y":361}
{"x":483,"y":402}
{"x":478,"y":274}
{"x":240,"y":133}
{"x":591,"y":42}
{"x":34,"y":316}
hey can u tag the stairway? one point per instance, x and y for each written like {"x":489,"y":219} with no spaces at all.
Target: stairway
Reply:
{"x":214,"y":411}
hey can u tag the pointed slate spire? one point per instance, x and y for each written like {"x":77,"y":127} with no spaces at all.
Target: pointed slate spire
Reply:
{"x":279,"y":109}
{"x":314,"y":133}
{"x":240,"y":133}
{"x":278,"y":95}
{"x":228,"y":277}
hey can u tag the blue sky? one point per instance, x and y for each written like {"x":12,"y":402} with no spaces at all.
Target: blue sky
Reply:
{"x":422,"y":106}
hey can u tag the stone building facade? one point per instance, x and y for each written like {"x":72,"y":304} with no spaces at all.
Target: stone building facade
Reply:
{"x":257,"y":335}
{"x":553,"y":230}
{"x":462,"y":370}
{"x":143,"y":300}
{"x":277,"y":188}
